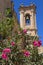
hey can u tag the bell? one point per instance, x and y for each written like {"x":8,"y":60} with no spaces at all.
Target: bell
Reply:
{"x":27,"y":17}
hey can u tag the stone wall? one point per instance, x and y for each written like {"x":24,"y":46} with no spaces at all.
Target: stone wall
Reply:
{"x":3,"y":5}
{"x":40,"y":49}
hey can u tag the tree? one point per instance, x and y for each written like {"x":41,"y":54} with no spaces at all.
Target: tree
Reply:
{"x":8,"y":25}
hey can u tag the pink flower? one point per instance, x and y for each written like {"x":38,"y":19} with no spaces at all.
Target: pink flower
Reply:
{"x":39,"y":43}
{"x":24,"y":31}
{"x":4,"y":56}
{"x":12,"y":43}
{"x":35,"y":43}
{"x":7,"y":50}
{"x":27,"y":53}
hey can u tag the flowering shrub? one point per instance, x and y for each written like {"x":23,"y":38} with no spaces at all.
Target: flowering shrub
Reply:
{"x":12,"y":54}
{"x":17,"y":50}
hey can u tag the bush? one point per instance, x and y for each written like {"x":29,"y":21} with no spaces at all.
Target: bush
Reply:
{"x":18,"y":50}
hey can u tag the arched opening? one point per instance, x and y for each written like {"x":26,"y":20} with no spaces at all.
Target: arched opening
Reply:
{"x":27,"y":19}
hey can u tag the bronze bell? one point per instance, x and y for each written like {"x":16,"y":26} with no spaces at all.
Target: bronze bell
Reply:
{"x":27,"y":17}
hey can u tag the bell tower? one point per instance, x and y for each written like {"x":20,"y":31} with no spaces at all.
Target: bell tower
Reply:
{"x":28,"y":19}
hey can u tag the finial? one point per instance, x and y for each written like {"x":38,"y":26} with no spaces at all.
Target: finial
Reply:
{"x":32,"y":4}
{"x":22,"y":5}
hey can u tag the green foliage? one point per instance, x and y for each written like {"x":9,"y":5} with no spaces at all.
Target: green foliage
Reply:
{"x":6,"y":26}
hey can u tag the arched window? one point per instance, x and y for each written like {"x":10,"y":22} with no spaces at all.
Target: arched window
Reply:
{"x":27,"y":19}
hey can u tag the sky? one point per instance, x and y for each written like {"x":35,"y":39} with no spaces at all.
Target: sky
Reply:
{"x":39,"y":13}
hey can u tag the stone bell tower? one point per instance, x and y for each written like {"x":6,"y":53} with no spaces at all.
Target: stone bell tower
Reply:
{"x":28,"y":19}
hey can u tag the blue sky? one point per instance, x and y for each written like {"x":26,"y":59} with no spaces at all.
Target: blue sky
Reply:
{"x":39,"y":13}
